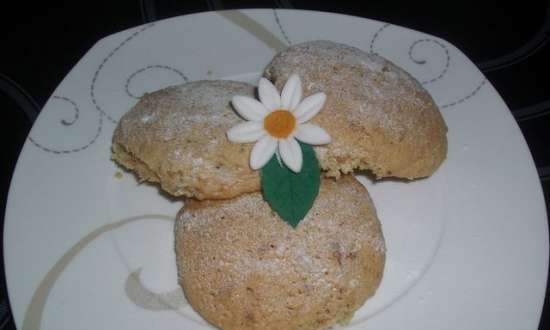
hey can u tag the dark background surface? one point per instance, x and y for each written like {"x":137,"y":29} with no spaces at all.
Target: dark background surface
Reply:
{"x":42,"y":41}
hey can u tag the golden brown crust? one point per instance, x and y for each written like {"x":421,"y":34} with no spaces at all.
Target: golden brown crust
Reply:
{"x":176,"y":137}
{"x":243,"y":268}
{"x":380,"y":118}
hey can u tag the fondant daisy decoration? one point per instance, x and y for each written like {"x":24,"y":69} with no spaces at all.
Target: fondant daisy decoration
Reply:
{"x":277,"y":122}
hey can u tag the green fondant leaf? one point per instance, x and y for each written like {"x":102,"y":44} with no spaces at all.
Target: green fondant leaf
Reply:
{"x":291,"y":194}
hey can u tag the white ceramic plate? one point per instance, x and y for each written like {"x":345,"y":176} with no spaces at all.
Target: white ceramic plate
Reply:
{"x":87,"y":247}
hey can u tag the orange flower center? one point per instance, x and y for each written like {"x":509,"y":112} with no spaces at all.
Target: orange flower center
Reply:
{"x":280,"y":123}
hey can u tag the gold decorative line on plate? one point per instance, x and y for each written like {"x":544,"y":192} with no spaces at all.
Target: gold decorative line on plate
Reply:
{"x":35,"y":310}
{"x":253,"y":27}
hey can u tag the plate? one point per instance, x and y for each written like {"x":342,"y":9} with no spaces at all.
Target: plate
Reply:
{"x":88,"y":247}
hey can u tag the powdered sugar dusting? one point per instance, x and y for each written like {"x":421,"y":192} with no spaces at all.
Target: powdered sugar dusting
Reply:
{"x":177,"y":136}
{"x":326,"y":231}
{"x":145,"y":119}
{"x":244,"y":261}
{"x":382,"y":92}
{"x":175,"y":111}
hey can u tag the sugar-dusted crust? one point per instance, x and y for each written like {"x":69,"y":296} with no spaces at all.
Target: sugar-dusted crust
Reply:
{"x":380,"y":118}
{"x":243,"y":268}
{"x":176,"y":137}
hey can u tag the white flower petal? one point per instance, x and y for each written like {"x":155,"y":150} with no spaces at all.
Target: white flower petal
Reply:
{"x":292,"y":93}
{"x":249,"y":108}
{"x":262,"y":152}
{"x":291,"y":153}
{"x":269,"y":95}
{"x":309,"y":107}
{"x":312,"y":134}
{"x":248,"y":131}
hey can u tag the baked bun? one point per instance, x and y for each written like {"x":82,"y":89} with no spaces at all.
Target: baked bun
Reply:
{"x":244,"y":268}
{"x":177,"y":137}
{"x":379,"y":117}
